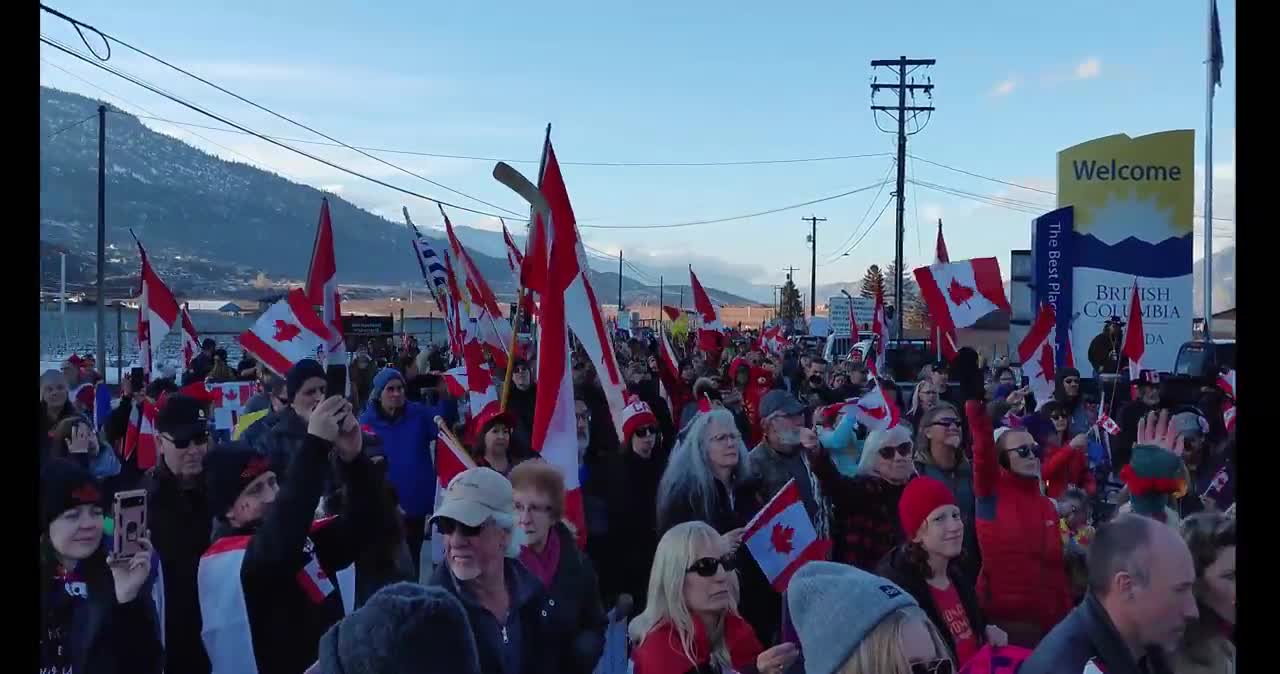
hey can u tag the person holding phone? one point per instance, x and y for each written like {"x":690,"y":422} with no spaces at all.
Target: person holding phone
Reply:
{"x":269,"y":584}
{"x":96,"y":615}
{"x":305,"y":386}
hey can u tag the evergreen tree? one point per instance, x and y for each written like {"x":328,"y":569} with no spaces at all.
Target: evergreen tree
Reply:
{"x":872,"y":281}
{"x":792,"y":307}
{"x":915,"y":313}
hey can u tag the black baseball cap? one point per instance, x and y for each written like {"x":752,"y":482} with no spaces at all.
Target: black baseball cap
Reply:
{"x":182,"y":417}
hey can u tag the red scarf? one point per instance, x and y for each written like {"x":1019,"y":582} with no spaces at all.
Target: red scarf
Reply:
{"x":661,"y":653}
{"x":543,"y":564}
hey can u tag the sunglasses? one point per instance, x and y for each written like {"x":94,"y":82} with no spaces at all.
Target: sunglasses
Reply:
{"x":887,"y":452}
{"x":940,"y":666}
{"x":1071,"y":380}
{"x":645,"y":432}
{"x":1027,"y":451}
{"x":197,"y":439}
{"x":706,"y":567}
{"x":947,"y":422}
{"x":447,"y":526}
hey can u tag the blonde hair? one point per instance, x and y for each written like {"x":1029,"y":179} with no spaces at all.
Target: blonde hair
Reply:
{"x":671,"y":563}
{"x":881,"y":650}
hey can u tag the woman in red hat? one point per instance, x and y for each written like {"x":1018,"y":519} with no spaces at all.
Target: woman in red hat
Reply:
{"x":492,"y":446}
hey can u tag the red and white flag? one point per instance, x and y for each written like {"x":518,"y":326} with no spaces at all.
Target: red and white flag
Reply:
{"x":482,"y":387}
{"x":1135,"y":340}
{"x":229,"y":400}
{"x":157,"y":312}
{"x":710,"y":332}
{"x":670,"y":386}
{"x":940,"y":255}
{"x":874,"y":410}
{"x":322,"y":287}
{"x":450,"y":459}
{"x":1227,"y":382}
{"x":1037,"y":356}
{"x":515,"y":258}
{"x":1106,"y":423}
{"x":493,"y":330}
{"x":945,"y":342}
{"x":672,"y":312}
{"x":140,"y":437}
{"x":959,"y":293}
{"x":879,"y":328}
{"x":190,"y":338}
{"x":782,"y":539}
{"x":286,"y":333}
{"x":456,"y":381}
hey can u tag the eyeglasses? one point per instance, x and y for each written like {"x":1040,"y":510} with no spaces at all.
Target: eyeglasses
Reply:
{"x":645,"y":431}
{"x":706,"y":567}
{"x":947,"y":422}
{"x":197,"y":439}
{"x":447,"y":526}
{"x":537,"y":509}
{"x":726,"y":437}
{"x":888,"y":451}
{"x":1027,"y":451}
{"x":939,"y":666}
{"x":1070,"y":380}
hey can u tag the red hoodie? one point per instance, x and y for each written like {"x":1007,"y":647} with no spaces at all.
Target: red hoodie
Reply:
{"x":661,"y":652}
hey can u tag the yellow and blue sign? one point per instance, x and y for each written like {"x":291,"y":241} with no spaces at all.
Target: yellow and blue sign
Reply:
{"x":1132,"y":205}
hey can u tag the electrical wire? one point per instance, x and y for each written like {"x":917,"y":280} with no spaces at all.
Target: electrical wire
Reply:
{"x":979,"y":175}
{"x":873,"y":226}
{"x":979,"y":198}
{"x":68,"y":127}
{"x":863,"y":220}
{"x":196,"y":108}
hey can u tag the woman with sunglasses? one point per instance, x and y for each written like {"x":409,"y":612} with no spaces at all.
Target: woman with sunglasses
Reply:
{"x":924,"y":567}
{"x":1066,"y":458}
{"x":865,"y":507}
{"x":1023,"y":582}
{"x":852,"y":622}
{"x":1208,"y":646}
{"x":691,"y":624}
{"x":939,"y":454}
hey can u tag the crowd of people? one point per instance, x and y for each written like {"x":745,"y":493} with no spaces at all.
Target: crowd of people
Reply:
{"x":313,"y":539}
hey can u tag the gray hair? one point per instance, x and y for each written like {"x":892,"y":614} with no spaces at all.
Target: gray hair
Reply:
{"x":688,"y":481}
{"x":507,"y":522}
{"x":51,"y":377}
{"x":875,"y":440}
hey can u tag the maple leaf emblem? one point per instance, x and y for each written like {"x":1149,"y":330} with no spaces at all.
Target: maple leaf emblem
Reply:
{"x":780,"y":538}
{"x":959,"y":294}
{"x":1046,"y":362}
{"x":285,"y":331}
{"x":229,"y":394}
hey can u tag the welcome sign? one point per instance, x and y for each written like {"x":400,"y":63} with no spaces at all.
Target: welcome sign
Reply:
{"x":1133,"y":203}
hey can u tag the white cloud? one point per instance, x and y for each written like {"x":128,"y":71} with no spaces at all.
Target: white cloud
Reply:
{"x":1088,"y":69}
{"x":1005,"y":88}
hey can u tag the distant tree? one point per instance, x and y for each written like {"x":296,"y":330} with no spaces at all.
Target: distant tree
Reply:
{"x":872,"y":281}
{"x":792,"y":307}
{"x":915,"y":315}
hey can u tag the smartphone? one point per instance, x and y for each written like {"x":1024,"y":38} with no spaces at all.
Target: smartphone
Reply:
{"x":137,"y":379}
{"x":129,"y":513}
{"x":335,"y":377}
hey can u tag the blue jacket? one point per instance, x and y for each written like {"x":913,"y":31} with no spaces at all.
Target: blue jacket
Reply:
{"x":406,"y":442}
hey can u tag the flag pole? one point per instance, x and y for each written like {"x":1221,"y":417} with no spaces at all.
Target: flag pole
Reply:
{"x":520,"y":291}
{"x":1210,"y":72}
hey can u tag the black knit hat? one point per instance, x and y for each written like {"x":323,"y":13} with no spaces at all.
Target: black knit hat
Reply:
{"x":402,"y":628}
{"x":228,"y":469}
{"x":65,"y":484}
{"x":299,"y":374}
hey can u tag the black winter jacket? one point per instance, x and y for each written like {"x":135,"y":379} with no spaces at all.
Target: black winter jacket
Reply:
{"x":285,"y":623}
{"x":103,"y":636}
{"x":282,"y":441}
{"x":1087,"y":634}
{"x":896,"y":568}
{"x":544,"y":646}
{"x":630,"y":490}
{"x":575,"y":606}
{"x":181,"y":526}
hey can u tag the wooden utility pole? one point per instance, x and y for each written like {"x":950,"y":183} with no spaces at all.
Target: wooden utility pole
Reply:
{"x":813,"y":264}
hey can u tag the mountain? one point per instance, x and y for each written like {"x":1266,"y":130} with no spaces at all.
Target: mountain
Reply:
{"x":1224,"y":282}
{"x":213,"y":227}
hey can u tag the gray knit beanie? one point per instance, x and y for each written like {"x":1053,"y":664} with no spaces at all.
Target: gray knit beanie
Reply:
{"x":404,"y":628}
{"x":834,"y":607}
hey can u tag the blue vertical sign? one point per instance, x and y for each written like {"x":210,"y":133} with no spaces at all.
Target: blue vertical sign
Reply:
{"x":1053,"y":267}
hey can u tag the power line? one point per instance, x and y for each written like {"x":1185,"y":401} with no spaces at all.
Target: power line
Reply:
{"x":70,"y":126}
{"x":870,"y":205}
{"x":871,"y":227}
{"x":242,"y":99}
{"x":196,"y":108}
{"x":979,"y":198}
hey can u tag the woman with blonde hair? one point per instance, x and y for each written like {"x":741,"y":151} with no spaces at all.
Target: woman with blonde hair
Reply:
{"x":1208,"y":645}
{"x":691,"y":623}
{"x":852,"y":622}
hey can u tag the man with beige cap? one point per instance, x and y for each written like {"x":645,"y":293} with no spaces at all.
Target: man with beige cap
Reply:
{"x":506,"y":604}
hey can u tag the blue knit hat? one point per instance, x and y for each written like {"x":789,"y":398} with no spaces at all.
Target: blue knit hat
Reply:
{"x":404,"y":627}
{"x":834,"y":607}
{"x":384,"y":377}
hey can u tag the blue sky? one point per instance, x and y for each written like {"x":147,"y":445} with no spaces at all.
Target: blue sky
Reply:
{"x":683,"y":82}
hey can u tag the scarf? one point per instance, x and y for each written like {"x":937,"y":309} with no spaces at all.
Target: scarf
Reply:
{"x":543,"y":564}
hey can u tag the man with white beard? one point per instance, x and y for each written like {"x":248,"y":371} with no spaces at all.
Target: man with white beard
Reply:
{"x":778,"y":458}
{"x":509,"y":609}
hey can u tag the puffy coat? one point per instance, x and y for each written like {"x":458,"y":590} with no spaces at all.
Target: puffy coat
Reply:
{"x":406,"y":442}
{"x":1023,"y":578}
{"x":1064,"y":466}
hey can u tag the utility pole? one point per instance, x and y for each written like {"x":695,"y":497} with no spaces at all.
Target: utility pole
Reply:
{"x":813,"y":265}
{"x":619,"y":282}
{"x":661,"y":298}
{"x":102,"y":238}
{"x":898,"y":112}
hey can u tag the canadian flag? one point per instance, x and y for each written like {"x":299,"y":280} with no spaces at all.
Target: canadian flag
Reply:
{"x":1106,"y":423}
{"x":481,"y":304}
{"x":879,"y":328}
{"x":229,"y":400}
{"x":455,"y":314}
{"x":322,"y":287}
{"x":771,"y":340}
{"x":450,"y":458}
{"x":286,"y":333}
{"x":959,"y":293}
{"x":709,"y":333}
{"x":875,"y":410}
{"x":1135,"y":340}
{"x":945,"y":342}
{"x":140,"y":437}
{"x":782,"y":539}
{"x":481,"y":389}
{"x":1037,"y":356}
{"x":190,"y":338}
{"x":672,"y":312}
{"x":674,"y":390}
{"x":456,"y":381}
{"x":515,"y":259}
{"x":157,"y":312}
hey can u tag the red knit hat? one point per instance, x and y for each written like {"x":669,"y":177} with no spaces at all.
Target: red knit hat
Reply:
{"x":922,"y":496}
{"x":636,"y":415}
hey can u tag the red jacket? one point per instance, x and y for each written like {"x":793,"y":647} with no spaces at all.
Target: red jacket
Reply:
{"x":661,"y":653}
{"x":1064,"y":466}
{"x":1024,"y":576}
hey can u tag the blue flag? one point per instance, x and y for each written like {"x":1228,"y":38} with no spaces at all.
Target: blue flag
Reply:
{"x":101,"y":405}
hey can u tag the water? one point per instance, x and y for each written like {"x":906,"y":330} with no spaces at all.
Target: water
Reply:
{"x":81,"y":336}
